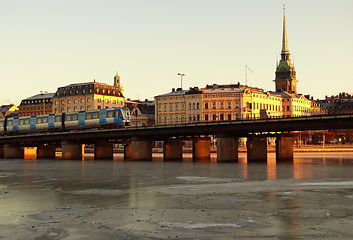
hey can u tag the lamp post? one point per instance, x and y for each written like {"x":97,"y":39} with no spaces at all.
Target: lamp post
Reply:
{"x":182,"y":96}
{"x":43,"y":93}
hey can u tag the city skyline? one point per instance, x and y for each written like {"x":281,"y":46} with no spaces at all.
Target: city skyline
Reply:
{"x":49,"y":45}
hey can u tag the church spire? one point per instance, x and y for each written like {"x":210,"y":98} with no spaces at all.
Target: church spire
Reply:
{"x":286,"y":80}
{"x":285,"y":50}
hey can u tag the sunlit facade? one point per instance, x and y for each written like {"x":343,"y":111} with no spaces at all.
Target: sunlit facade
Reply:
{"x":88,"y":96}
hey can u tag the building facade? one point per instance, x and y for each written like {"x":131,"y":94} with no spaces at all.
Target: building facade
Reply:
{"x":36,"y":105}
{"x":88,"y":96}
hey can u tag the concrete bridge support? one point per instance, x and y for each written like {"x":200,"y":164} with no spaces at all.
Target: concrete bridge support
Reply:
{"x":103,"y":151}
{"x":127,"y":151}
{"x":71,"y":150}
{"x":13,"y":151}
{"x":227,"y":149}
{"x":201,"y":149}
{"x":173,"y":150}
{"x":46,"y":152}
{"x":284,"y":148}
{"x":256,"y":149}
{"x":1,"y":152}
{"x":141,"y":149}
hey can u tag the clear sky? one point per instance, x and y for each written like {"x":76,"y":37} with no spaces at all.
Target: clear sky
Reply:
{"x":47,"y":44}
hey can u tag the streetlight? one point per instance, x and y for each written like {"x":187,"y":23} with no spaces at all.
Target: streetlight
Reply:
{"x":181,"y":79}
{"x":182,"y":96}
{"x":43,"y":93}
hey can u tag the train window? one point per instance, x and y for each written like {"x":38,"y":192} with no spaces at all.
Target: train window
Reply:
{"x":57,"y":118}
{"x":27,"y":121}
{"x":88,"y":115}
{"x":74,"y":117}
{"x":1,"y":124}
{"x":110,"y":114}
{"x":45,"y":120}
{"x":22,"y":122}
{"x":9,"y":123}
{"x":120,"y":114}
{"x":95,"y":115}
{"x":68,"y":117}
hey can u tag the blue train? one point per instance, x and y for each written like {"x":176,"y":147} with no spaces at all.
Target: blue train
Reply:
{"x":101,"y":118}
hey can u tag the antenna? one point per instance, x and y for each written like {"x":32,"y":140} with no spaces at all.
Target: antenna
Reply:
{"x":284,"y":9}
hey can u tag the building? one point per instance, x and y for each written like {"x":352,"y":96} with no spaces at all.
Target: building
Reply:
{"x":235,"y":101}
{"x":36,"y":105}
{"x":142,"y":112}
{"x":338,"y":104}
{"x":178,"y":106}
{"x":8,"y":110}
{"x":87,"y":96}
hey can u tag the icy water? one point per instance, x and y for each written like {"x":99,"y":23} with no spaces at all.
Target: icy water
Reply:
{"x":311,"y":198}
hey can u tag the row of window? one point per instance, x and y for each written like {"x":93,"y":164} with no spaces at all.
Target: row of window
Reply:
{"x":69,"y":101}
{"x":72,"y":109}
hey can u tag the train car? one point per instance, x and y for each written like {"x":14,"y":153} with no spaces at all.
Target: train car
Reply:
{"x":2,"y":126}
{"x":51,"y":122}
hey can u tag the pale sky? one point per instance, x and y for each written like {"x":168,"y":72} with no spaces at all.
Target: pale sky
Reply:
{"x":46,"y":44}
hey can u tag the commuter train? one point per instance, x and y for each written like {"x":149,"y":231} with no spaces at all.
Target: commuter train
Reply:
{"x":101,"y":118}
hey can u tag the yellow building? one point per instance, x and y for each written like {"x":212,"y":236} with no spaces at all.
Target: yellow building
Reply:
{"x":7,"y":110}
{"x":178,"y":106}
{"x":87,"y":96}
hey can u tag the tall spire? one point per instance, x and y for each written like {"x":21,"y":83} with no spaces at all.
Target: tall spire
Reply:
{"x":285,"y":71}
{"x":285,"y":41}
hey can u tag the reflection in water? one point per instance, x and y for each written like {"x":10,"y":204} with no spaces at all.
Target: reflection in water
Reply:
{"x":144,"y":200}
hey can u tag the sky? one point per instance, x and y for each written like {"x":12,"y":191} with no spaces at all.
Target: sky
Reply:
{"x":49,"y":44}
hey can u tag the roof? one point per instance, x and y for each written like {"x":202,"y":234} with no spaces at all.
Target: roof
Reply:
{"x":40,"y":96}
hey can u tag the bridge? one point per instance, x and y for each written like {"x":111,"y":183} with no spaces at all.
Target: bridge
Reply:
{"x":138,"y":141}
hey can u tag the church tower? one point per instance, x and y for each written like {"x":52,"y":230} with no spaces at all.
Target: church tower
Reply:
{"x":117,"y":83}
{"x":286,"y":80}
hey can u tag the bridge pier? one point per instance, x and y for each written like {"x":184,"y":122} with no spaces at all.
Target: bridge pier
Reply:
{"x":71,"y":150}
{"x":256,"y":149}
{"x":141,"y":149}
{"x":173,"y":150}
{"x":227,"y":149}
{"x":103,"y":151}
{"x":1,"y":152}
{"x":13,"y":151}
{"x":127,"y":151}
{"x":284,"y":148}
{"x":201,"y":149}
{"x":46,"y":152}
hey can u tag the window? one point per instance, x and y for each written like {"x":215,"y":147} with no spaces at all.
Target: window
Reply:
{"x":206,"y":117}
{"x":165,"y":107}
{"x":206,"y":105}
{"x":82,"y":100}
{"x":69,"y":101}
{"x":221,"y":105}
{"x":214,"y":105}
{"x":221,"y":117}
{"x":229,"y":117}
{"x":82,"y":108}
{"x":189,"y":106}
{"x":75,"y":100}
{"x":68,"y":109}
{"x":176,"y":107}
{"x":56,"y":102}
{"x":197,"y":105}
{"x":89,"y":99}
{"x":229,"y":104}
{"x":193,"y":106}
{"x":63,"y":102}
{"x":214,"y":117}
{"x":171,"y":107}
{"x":75,"y":109}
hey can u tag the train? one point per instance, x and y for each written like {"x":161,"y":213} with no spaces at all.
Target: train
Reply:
{"x":100,"y":118}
